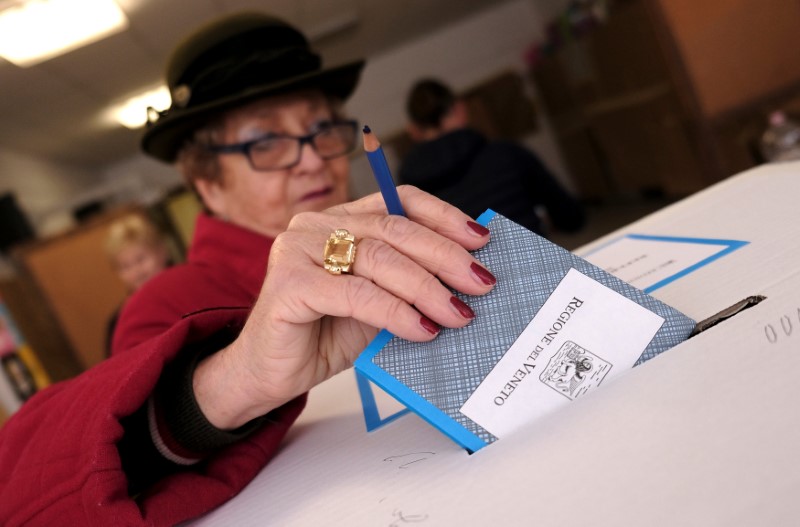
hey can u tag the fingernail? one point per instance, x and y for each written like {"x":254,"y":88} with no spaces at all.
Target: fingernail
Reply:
{"x":429,"y":325}
{"x":463,"y":309}
{"x":483,"y":275}
{"x":477,"y":228}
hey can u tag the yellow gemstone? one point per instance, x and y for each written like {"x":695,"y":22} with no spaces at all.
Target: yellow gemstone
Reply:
{"x":340,"y":250}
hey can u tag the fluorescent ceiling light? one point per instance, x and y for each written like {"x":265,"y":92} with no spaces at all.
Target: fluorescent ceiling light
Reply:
{"x":133,"y":112}
{"x":32,"y":31}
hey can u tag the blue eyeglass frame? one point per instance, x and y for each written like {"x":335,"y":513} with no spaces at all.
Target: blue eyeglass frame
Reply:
{"x":244,"y":148}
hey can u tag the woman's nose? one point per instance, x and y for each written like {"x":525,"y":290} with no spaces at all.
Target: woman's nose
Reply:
{"x":310,"y":160}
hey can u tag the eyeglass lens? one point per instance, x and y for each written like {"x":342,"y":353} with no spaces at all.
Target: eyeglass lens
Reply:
{"x":282,"y":152}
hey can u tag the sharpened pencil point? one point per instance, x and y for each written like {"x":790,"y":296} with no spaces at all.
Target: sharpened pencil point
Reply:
{"x":371,"y":143}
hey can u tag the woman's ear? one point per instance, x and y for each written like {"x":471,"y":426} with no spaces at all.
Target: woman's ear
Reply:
{"x":213,"y":196}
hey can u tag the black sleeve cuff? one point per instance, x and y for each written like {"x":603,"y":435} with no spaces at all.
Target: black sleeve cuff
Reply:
{"x":174,"y":399}
{"x":169,"y":433}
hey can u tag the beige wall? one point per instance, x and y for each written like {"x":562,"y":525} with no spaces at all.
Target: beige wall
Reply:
{"x":41,"y":187}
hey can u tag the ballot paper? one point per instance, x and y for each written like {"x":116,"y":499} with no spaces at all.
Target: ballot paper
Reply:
{"x":554,"y":328}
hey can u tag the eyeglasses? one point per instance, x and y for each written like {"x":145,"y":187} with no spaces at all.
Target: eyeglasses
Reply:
{"x":278,"y":152}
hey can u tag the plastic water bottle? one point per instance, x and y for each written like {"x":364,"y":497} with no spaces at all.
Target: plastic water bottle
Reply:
{"x":781,"y":139}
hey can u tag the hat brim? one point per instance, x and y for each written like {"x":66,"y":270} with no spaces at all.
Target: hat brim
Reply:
{"x":164,"y":138}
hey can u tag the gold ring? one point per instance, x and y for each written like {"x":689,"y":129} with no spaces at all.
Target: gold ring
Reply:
{"x":340,"y":252}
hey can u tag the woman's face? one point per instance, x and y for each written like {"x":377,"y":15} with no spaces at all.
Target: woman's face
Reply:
{"x":137,"y":263}
{"x":266,"y":201}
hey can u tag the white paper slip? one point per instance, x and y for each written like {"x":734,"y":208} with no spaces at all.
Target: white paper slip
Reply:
{"x":584,"y":334}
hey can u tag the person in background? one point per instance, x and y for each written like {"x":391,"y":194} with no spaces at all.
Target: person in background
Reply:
{"x":459,"y":165}
{"x":212,"y":358}
{"x":137,"y":251}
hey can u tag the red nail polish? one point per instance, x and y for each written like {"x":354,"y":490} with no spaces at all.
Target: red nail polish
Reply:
{"x":463,"y":309}
{"x":483,"y":275}
{"x":479,"y":229}
{"x":430,"y":326}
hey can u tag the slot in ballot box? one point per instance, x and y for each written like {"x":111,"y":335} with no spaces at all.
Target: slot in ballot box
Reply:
{"x":704,"y":434}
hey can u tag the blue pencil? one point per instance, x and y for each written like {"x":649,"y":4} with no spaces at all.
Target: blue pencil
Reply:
{"x":380,"y":169}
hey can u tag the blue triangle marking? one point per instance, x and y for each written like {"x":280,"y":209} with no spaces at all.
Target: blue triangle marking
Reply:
{"x":372,"y":417}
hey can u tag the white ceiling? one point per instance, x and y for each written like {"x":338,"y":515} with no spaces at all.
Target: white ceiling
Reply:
{"x":55,"y":110}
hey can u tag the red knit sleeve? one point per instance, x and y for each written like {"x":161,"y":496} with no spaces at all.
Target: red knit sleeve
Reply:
{"x":59,"y":462}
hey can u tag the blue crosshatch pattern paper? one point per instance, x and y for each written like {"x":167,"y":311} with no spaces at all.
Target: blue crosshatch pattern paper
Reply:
{"x":435,"y":378}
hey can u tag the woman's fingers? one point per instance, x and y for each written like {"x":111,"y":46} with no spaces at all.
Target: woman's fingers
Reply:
{"x":359,"y":298}
{"x":306,"y":291}
{"x":402,"y":277}
{"x":426,"y":210}
{"x":437,"y":254}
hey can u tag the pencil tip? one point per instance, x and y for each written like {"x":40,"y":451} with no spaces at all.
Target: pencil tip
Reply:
{"x":367,"y":129}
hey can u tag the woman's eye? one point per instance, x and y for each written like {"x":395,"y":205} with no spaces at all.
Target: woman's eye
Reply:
{"x":266,"y":145}
{"x":321,"y":125}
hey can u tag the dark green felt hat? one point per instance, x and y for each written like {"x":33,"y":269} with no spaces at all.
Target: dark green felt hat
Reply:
{"x":232,"y":61}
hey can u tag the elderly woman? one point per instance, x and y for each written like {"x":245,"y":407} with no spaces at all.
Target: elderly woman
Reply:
{"x":212,"y":358}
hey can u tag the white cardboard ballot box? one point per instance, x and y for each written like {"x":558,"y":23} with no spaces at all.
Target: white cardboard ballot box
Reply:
{"x":705,"y":434}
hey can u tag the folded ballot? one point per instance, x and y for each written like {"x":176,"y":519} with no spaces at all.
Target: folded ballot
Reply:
{"x":554,"y":328}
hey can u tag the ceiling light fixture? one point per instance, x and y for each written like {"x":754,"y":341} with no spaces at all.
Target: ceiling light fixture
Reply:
{"x":32,"y":31}
{"x":133,"y":112}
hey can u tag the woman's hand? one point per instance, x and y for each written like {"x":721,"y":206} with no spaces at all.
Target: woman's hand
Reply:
{"x":309,"y":324}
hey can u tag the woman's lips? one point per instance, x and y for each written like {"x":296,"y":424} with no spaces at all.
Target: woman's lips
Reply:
{"x":317,"y":194}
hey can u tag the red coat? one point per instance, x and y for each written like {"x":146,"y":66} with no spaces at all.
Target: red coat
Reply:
{"x":59,"y":463}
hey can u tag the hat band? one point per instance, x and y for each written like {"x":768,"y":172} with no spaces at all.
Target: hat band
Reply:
{"x":234,"y":76}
